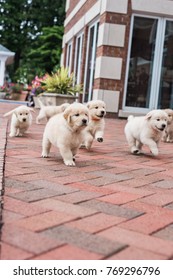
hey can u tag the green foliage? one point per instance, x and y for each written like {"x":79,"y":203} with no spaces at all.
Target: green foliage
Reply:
{"x":46,"y":51}
{"x":61,"y":82}
{"x":16,"y":88}
{"x":22,"y":24}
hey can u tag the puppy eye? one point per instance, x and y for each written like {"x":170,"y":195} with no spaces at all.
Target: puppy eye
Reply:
{"x":26,"y":113}
{"x":96,"y":107}
{"x":20,"y":114}
{"x":77,"y":115}
{"x":158,"y":120}
{"x":86,"y":115}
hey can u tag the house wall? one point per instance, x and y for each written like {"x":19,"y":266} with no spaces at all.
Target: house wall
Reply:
{"x":113,"y":40}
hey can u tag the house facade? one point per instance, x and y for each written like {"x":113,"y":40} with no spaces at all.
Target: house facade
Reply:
{"x":122,"y":52}
{"x":6,"y":57}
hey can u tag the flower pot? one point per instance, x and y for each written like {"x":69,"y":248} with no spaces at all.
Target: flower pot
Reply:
{"x":2,"y":95}
{"x":23,"y":95}
{"x":54,"y":99}
{"x":15,"y":96}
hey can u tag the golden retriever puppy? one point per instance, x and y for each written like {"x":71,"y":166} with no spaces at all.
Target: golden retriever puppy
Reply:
{"x":168,"y":132}
{"x":146,"y":130}
{"x":21,"y":120}
{"x":46,"y":112}
{"x":65,"y":131}
{"x":95,"y":128}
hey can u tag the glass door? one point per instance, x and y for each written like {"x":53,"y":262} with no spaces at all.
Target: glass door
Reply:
{"x":149,"y":83}
{"x":78,"y":58}
{"x":165,"y":99}
{"x":141,"y":61}
{"x":69,"y":57}
{"x":90,"y":61}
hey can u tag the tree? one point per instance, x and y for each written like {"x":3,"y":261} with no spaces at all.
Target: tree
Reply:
{"x":45,"y":53}
{"x":22,"y":21}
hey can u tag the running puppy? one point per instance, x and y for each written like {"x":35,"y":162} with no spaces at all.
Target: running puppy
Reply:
{"x":147,"y":130}
{"x":95,"y":128}
{"x":65,"y":131}
{"x":168,"y":133}
{"x":21,"y":120}
{"x":48,"y":111}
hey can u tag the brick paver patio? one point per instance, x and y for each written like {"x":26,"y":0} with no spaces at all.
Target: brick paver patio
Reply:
{"x":112,"y":205}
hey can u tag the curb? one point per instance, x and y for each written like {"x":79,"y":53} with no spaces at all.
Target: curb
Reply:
{"x":3,"y":141}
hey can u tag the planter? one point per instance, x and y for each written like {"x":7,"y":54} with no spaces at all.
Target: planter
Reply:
{"x":53,"y":99}
{"x":23,"y":95}
{"x":2,"y":95}
{"x":15,"y":96}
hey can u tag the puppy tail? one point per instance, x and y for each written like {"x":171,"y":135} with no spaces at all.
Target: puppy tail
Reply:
{"x":9,"y":113}
{"x":40,"y":103}
{"x":131,"y":117}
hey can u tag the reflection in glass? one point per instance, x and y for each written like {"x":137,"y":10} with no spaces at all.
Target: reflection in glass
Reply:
{"x":141,"y":62}
{"x":166,"y":81}
{"x":92,"y":47}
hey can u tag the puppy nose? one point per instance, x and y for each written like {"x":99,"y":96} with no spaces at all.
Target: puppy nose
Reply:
{"x":102,"y":112}
{"x":84,"y":121}
{"x":24,"y":120}
{"x":163,"y":125}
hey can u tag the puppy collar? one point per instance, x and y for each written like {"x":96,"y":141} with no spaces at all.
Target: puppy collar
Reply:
{"x":97,"y":120}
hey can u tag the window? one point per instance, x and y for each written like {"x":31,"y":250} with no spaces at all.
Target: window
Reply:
{"x":78,"y":58}
{"x":165,"y":99}
{"x":90,"y":61}
{"x":149,"y":83}
{"x":69,"y":57}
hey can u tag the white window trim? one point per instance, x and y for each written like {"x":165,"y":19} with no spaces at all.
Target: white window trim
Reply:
{"x":156,"y":74}
{"x":92,"y":61}
{"x":77,"y":68}
{"x":69,"y":56}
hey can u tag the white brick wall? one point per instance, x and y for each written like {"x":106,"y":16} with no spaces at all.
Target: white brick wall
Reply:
{"x":114,"y":6}
{"x":108,"y":67}
{"x":110,"y":97}
{"x":111,"y":35}
{"x":159,"y":7}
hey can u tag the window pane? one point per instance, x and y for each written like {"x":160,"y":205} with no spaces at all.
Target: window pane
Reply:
{"x":92,"y":47}
{"x":141,"y":62}
{"x":78,"y":59}
{"x":166,"y":81}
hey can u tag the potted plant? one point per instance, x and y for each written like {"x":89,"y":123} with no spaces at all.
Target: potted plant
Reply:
{"x":15,"y":91}
{"x":60,"y":87}
{"x":4,"y":90}
{"x":36,"y":89}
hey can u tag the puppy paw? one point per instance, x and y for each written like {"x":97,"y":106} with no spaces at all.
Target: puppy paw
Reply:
{"x":88,"y":145}
{"x":82,"y":146}
{"x":44,"y":155}
{"x":69,"y":162}
{"x":155,"y":152}
{"x":100,"y":139}
{"x":12,"y":135}
{"x":135,"y":151}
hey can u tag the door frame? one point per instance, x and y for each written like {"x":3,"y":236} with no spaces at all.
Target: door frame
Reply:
{"x":157,"y":63}
{"x":93,"y":59}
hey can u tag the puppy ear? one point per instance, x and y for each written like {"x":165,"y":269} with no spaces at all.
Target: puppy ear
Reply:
{"x":148,"y":116}
{"x":88,"y":105}
{"x":64,"y":106}
{"x":67,"y":115}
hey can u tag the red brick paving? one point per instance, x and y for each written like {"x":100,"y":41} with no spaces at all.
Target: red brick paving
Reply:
{"x":112,"y":205}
